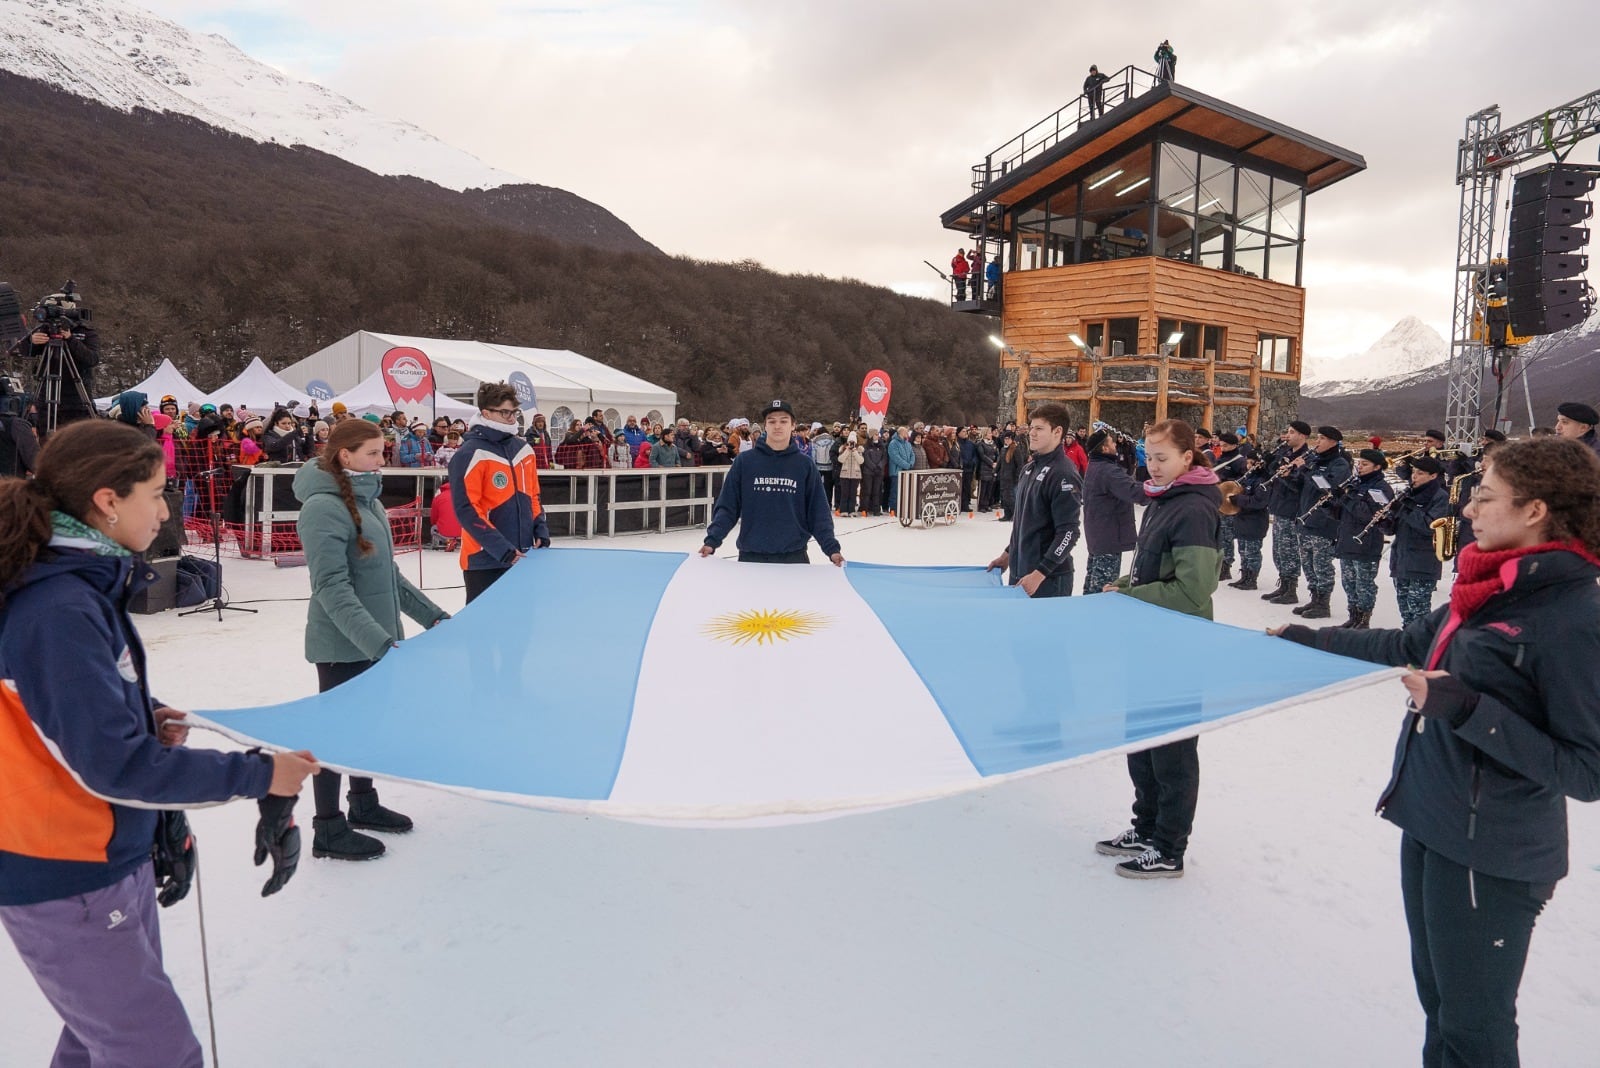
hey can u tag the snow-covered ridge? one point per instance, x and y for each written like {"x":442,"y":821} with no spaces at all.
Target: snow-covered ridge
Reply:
{"x":120,"y":55}
{"x":1410,"y":347}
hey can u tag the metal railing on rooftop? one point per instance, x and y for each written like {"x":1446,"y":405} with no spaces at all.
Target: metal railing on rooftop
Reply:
{"x":1045,"y":134}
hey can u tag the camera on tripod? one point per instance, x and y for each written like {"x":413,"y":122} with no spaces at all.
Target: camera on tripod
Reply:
{"x":59,"y":314}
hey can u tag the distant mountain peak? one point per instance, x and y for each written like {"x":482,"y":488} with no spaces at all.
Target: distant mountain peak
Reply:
{"x":1409,"y":346}
{"x":118,"y":54}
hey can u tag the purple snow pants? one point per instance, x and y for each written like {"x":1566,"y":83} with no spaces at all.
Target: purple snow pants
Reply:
{"x":97,"y":958}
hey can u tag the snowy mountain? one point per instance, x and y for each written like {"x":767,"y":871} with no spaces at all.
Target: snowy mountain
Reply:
{"x":1559,"y":367}
{"x":123,"y":56}
{"x":1411,"y":346}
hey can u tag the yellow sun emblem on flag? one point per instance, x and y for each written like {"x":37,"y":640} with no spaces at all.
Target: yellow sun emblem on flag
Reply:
{"x":764,"y":626}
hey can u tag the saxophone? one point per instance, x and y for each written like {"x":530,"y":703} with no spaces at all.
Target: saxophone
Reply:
{"x":1447,"y":529}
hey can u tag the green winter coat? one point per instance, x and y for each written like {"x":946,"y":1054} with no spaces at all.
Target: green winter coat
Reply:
{"x":1179,"y":554}
{"x":356,"y":599}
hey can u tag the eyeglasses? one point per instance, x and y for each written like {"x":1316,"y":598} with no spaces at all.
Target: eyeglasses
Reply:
{"x":1477,"y":496}
{"x":504,"y":413}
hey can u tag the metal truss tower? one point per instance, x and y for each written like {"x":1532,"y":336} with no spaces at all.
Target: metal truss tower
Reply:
{"x":1486,"y":152}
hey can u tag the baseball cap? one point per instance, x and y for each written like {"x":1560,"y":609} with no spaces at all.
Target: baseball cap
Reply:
{"x":778,"y":406}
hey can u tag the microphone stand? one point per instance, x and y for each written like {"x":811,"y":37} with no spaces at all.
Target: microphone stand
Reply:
{"x":220,"y":601}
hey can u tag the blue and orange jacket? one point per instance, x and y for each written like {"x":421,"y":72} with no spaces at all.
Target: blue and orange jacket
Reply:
{"x":494,"y":486}
{"x":82,"y":773}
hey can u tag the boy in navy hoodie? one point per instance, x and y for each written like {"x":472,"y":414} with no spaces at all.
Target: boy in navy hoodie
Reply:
{"x":775,"y":494}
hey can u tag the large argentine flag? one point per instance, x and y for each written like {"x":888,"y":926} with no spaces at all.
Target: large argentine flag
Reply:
{"x":659,"y":686}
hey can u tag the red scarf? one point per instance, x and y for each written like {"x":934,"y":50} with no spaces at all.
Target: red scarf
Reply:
{"x":1480,"y":575}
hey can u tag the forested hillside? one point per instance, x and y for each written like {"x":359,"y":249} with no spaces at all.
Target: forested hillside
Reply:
{"x":209,"y":248}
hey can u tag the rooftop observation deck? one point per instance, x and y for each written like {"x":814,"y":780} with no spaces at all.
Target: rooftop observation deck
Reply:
{"x":1137,"y":108}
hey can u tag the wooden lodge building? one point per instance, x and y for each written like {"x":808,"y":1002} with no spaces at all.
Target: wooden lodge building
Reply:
{"x":1151,"y":257}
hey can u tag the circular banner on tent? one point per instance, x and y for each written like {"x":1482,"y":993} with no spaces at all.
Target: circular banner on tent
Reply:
{"x":319,"y":390}
{"x":526,"y":399}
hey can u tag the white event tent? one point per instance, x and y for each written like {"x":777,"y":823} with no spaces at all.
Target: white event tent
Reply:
{"x":256,"y":388}
{"x":566,"y":385}
{"x":165,"y":380}
{"x":371,"y":397}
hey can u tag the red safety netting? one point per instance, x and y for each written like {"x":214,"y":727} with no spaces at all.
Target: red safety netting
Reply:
{"x":583,"y":456}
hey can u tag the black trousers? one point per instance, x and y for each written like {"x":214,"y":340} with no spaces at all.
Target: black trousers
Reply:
{"x":325,"y":784}
{"x":1166,"y":787}
{"x":480,"y":579}
{"x":872,"y":489}
{"x":986,"y":494}
{"x":848,"y":488}
{"x":1469,"y":942}
{"x":969,"y":481}
{"x":830,"y":479}
{"x":799,"y":556}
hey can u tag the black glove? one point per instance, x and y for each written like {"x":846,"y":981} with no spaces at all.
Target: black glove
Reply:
{"x":174,"y":857}
{"x":1448,"y":699}
{"x":543,"y":543}
{"x":1300,"y":634}
{"x":277,"y":837}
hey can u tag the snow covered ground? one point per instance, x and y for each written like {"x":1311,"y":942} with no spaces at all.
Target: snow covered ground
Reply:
{"x":979,"y":930}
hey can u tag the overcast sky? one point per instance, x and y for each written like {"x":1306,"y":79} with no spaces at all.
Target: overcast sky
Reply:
{"x":827,"y":137}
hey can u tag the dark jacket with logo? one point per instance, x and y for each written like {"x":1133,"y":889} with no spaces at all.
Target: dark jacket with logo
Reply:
{"x":1332,"y":467}
{"x":1412,"y":556}
{"x":1109,"y":496}
{"x":82,"y":771}
{"x":1489,"y":790}
{"x":1179,"y":555}
{"x":1356,"y":510}
{"x":1046,"y":516}
{"x":778,"y":500}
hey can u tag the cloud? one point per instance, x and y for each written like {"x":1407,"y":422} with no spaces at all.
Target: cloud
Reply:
{"x":827,"y":137}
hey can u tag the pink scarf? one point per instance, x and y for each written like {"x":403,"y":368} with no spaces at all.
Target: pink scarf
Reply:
{"x":1195,"y":476}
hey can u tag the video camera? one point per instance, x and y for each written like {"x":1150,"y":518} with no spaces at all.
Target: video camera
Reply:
{"x":59,"y":313}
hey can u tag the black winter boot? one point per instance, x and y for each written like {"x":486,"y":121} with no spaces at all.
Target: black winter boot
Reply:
{"x":333,"y":838}
{"x":1290,"y":594}
{"x":1227,"y":571}
{"x":1318,"y":608}
{"x":367,"y":814}
{"x":1247,"y":580}
{"x":1278,"y":590}
{"x":1349,"y":624}
{"x":1363,"y":620}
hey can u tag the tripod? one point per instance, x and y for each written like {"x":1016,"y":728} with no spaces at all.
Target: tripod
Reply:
{"x":54,"y":363}
{"x":220,"y":601}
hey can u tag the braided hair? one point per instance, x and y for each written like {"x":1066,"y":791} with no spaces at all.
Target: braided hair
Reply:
{"x":350,"y":434}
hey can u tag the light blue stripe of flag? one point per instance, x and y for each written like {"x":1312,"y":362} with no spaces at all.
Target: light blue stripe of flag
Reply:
{"x":528,"y":690}
{"x":1025,"y":683}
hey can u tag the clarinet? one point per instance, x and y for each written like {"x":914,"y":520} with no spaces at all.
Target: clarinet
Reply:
{"x":1326,"y":497}
{"x":1382,"y":513}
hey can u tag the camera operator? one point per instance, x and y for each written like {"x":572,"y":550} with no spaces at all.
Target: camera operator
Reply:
{"x":60,"y":319}
{"x":19,"y":445}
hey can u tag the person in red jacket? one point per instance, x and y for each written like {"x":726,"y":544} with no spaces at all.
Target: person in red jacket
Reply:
{"x":1075,"y":453}
{"x":958,"y":271}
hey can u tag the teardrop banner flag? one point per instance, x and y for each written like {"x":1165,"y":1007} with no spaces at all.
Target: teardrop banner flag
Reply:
{"x":408,"y":375}
{"x":527,"y":399}
{"x":875,"y":399}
